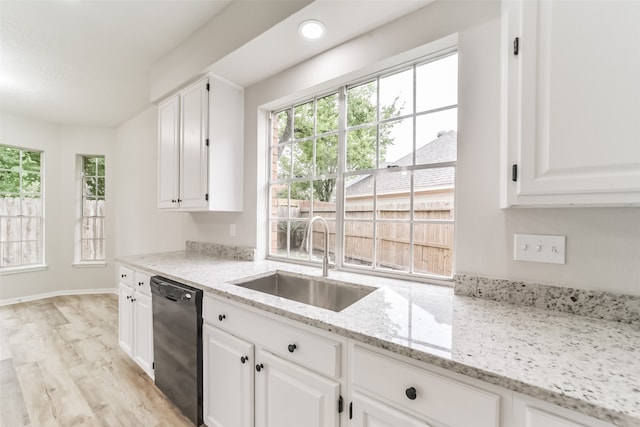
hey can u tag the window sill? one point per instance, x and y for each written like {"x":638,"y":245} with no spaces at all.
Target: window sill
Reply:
{"x":89,"y":264}
{"x":22,"y":269}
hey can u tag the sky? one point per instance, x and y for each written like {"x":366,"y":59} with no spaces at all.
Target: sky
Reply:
{"x":436,"y":87}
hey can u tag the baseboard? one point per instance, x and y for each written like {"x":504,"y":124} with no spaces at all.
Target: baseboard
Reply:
{"x":58,"y":294}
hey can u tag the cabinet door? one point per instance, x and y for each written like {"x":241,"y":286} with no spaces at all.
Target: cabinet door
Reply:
{"x":168,"y":153}
{"x":193,"y":148}
{"x":368,"y":412}
{"x":536,"y":418}
{"x":573,"y":102}
{"x":228,"y":388}
{"x":143,"y":332}
{"x":529,"y":412}
{"x":125,"y":318}
{"x":288,"y":395}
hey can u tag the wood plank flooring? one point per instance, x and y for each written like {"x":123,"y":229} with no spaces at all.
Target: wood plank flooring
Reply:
{"x":60,"y":365}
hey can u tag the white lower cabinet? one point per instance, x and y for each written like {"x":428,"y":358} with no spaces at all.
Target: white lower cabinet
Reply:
{"x":135,"y":320}
{"x":368,"y":412}
{"x":530,"y":412}
{"x":289,"y":395}
{"x":143,"y":332}
{"x":537,"y":418}
{"x":263,"y":372}
{"x":125,"y":318}
{"x":412,"y":393}
{"x":228,"y":385}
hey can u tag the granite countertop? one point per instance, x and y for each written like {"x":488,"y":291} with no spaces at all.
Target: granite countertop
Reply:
{"x":585,"y":364}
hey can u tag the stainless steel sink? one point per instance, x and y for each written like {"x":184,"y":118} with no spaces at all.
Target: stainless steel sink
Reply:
{"x":316,"y":291}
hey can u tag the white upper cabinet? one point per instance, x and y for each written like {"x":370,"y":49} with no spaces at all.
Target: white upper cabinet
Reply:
{"x":168,"y":153}
{"x":200,"y":147}
{"x":194,"y":138}
{"x":571,"y":103}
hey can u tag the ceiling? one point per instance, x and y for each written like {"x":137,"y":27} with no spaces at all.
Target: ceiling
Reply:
{"x":88,"y":63}
{"x":280,"y":47}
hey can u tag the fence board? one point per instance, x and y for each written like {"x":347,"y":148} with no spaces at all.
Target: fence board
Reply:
{"x":21,"y":231}
{"x":432,"y":243}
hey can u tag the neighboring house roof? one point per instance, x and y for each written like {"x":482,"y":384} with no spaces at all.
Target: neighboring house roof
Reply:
{"x":441,"y":149}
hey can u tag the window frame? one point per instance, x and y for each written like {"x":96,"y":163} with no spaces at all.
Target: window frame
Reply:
{"x":40,"y":264}
{"x":342,"y":174}
{"x":79,"y":240}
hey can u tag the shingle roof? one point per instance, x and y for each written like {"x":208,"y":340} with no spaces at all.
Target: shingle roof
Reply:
{"x":441,"y":149}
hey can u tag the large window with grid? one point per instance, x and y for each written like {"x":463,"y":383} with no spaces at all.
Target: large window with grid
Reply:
{"x":376,"y":159}
{"x":21,"y":207}
{"x":92,"y":218}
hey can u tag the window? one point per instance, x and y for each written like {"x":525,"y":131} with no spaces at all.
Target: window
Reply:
{"x":92,"y":238}
{"x":377,"y":160}
{"x":21,"y":207}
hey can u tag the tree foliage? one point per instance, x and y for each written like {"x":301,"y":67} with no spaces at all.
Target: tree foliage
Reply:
{"x":93,"y":171}
{"x":298,"y":161}
{"x":19,"y":172}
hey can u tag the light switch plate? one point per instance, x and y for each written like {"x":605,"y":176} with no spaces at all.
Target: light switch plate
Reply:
{"x":539,"y":248}
{"x":232,"y":230}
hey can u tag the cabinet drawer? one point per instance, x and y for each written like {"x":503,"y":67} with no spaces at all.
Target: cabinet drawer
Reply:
{"x":315,"y":352}
{"x":142,"y":283}
{"x":125,"y":276}
{"x":438,"y":398}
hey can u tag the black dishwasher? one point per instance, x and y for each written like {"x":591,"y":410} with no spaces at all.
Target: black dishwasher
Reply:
{"x":177,"y":344}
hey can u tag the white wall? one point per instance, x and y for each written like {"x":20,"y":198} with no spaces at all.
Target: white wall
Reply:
{"x":61,"y":145}
{"x":134,"y":225}
{"x":216,"y":39}
{"x":140,"y":227}
{"x":603,"y":245}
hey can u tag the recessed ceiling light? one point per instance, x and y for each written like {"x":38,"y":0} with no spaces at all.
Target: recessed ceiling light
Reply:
{"x":312,"y":29}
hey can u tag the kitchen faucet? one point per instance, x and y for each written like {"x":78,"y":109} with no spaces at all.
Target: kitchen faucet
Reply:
{"x":325,"y":259}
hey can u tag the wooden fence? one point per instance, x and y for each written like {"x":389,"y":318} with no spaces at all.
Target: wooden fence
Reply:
{"x":432,"y":243}
{"x":21,"y":231}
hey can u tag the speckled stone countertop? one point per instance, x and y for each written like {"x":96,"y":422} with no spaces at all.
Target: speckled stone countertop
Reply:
{"x":585,"y":364}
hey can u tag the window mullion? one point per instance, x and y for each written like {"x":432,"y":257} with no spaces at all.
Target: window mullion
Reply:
{"x":340,"y":181}
{"x":412,"y":181}
{"x":374,"y":256}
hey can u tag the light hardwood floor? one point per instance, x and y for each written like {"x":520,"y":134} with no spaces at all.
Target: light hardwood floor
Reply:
{"x":60,"y":365}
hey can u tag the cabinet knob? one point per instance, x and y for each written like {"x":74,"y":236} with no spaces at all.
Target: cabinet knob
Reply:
{"x":411,"y":393}
{"x":140,"y":283}
{"x":174,"y":201}
{"x":243,"y":359}
{"x":132,"y":299}
{"x":179,"y":200}
{"x":292,"y":348}
{"x":221,"y":317}
{"x":128,"y":296}
{"x":123,"y":276}
{"x":259,"y":367}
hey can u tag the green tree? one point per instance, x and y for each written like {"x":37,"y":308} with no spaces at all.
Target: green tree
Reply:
{"x":19,"y":172}
{"x":94,"y":172}
{"x":361,"y":143}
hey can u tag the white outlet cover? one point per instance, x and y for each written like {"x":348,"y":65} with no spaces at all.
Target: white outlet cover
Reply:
{"x":539,"y":248}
